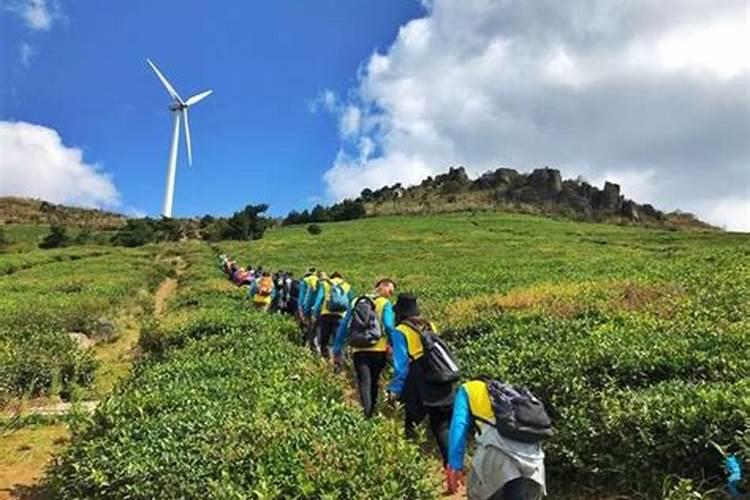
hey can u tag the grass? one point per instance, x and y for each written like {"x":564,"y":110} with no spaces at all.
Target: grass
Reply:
{"x":636,"y":338}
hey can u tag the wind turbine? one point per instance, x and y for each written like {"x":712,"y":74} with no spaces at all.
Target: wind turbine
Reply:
{"x":179,"y":108}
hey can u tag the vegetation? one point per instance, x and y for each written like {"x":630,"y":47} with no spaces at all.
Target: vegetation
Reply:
{"x":246,"y":224}
{"x":49,"y":294}
{"x":4,"y":241}
{"x":314,"y":229}
{"x":222,"y":409}
{"x":542,"y":192}
{"x":345,"y":210}
{"x":27,"y":211}
{"x":57,"y":238}
{"x":637,"y":338}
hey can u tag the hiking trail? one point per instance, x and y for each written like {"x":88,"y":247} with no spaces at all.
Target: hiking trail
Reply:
{"x":26,"y":451}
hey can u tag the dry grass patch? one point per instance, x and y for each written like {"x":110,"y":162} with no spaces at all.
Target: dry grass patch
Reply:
{"x":567,"y":300}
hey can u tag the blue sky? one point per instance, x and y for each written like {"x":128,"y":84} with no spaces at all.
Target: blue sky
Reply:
{"x":254,"y":140}
{"x":649,"y":94}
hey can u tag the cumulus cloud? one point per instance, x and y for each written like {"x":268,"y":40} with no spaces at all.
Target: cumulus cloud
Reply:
{"x":38,"y":15}
{"x":35,"y":163}
{"x":650,"y":94}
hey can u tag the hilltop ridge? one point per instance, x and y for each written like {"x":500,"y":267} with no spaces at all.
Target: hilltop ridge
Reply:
{"x":542,"y":191}
{"x":16,"y":210}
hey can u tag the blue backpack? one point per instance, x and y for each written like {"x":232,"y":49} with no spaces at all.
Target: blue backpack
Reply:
{"x":338,"y":301}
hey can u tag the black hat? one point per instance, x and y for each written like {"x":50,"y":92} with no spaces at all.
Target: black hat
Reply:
{"x":406,"y":305}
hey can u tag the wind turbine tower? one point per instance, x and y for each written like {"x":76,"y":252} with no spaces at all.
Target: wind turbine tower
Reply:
{"x":179,"y":109}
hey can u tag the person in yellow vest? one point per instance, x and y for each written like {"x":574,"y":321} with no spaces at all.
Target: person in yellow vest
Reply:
{"x":503,"y":468}
{"x":376,"y":312}
{"x":421,"y":398}
{"x":332,"y":301}
{"x":262,"y":291}
{"x":307,"y":291}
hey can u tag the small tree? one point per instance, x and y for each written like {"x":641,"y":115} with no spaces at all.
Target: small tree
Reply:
{"x":136,"y":232}
{"x":247,"y":224}
{"x":314,"y":229}
{"x":57,"y":237}
{"x":84,"y":237}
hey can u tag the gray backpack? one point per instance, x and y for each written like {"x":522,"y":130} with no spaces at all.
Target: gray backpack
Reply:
{"x":364,"y":327}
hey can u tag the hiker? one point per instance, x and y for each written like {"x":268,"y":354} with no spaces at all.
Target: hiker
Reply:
{"x":279,"y":301}
{"x":367,"y":325}
{"x":503,"y":468}
{"x":262,"y":291}
{"x":313,"y":327}
{"x":292,"y":285}
{"x":307,"y":289}
{"x":416,"y":381}
{"x":331,"y":302}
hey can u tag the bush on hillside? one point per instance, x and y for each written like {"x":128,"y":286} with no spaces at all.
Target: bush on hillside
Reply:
{"x":58,"y":237}
{"x":4,"y":241}
{"x":247,"y":224}
{"x":345,"y":210}
{"x":229,"y":410}
{"x":314,"y":229}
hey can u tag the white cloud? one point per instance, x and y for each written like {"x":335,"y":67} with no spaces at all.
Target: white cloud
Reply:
{"x":650,"y":94}
{"x":36,"y":14}
{"x":35,"y":163}
{"x":26,"y":52}
{"x":732,"y":213}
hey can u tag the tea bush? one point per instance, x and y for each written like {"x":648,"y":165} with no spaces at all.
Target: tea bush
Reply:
{"x":637,"y":339}
{"x":227,"y":409}
{"x":44,"y":299}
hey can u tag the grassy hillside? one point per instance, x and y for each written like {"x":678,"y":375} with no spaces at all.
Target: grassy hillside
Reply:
{"x":637,"y":338}
{"x":15,"y":210}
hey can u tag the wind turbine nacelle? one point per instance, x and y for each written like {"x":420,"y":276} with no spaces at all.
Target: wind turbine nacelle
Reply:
{"x":176,"y":106}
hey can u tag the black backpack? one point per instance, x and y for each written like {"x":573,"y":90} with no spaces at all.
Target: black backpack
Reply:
{"x":519,"y":415}
{"x":438,"y":362}
{"x":364,"y":327}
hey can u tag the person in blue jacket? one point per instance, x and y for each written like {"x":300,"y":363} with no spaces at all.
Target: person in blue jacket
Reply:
{"x":502,"y":469}
{"x":322,"y":312}
{"x":421,"y":398}
{"x":369,"y":362}
{"x":307,"y":288}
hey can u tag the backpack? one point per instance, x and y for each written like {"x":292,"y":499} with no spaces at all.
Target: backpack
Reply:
{"x":364,"y":327}
{"x":519,"y":415}
{"x":338,"y":301}
{"x":265,"y":286}
{"x":438,"y":362}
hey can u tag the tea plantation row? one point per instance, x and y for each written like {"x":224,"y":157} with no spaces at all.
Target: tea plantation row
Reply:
{"x":638,"y":339}
{"x":222,"y":406}
{"x":73,"y":290}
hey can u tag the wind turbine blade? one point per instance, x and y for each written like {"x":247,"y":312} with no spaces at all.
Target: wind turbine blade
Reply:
{"x":167,"y":85}
{"x":187,"y":137}
{"x":198,"y":97}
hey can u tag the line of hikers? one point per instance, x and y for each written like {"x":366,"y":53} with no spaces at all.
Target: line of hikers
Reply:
{"x":510,"y":423}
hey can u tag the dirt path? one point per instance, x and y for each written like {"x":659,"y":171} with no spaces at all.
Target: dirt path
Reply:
{"x":167,"y":288}
{"x":26,"y":451}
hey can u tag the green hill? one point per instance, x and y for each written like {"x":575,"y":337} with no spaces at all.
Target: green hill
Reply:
{"x":636,"y":338}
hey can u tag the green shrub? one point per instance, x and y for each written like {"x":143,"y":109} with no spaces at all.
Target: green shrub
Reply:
{"x":231,"y":411}
{"x":58,"y":237}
